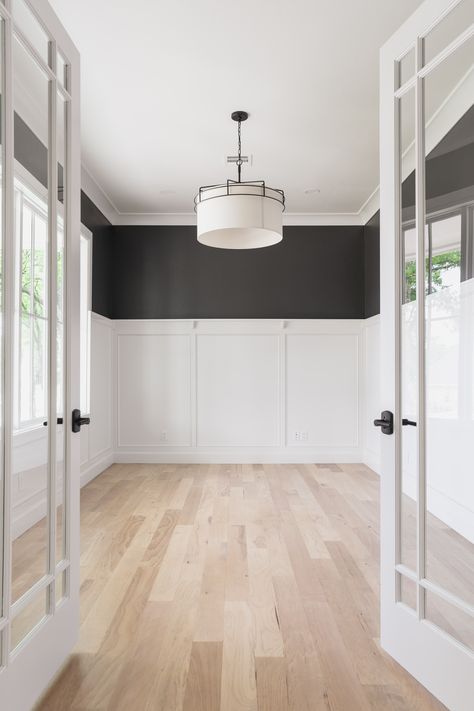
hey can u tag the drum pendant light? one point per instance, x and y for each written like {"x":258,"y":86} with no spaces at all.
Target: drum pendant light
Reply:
{"x":239,"y":214}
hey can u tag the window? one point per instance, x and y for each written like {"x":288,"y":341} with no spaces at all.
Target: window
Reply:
{"x":32,"y":337}
{"x":32,"y":279}
{"x":448,"y":245}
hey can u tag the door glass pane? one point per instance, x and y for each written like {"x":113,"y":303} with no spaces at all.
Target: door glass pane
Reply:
{"x":449,"y":328}
{"x":61,"y":70}
{"x":28,"y":619}
{"x":448,"y":29}
{"x":60,"y":331}
{"x":30,"y":27}
{"x":30,"y":366}
{"x":61,"y":586}
{"x":408,"y":336}
{"x":406,"y":67}
{"x":85,"y":323}
{"x":450,"y":619}
{"x":408,"y":592}
{"x":2,"y":285}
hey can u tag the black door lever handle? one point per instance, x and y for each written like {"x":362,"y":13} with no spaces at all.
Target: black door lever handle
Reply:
{"x":78,"y":421}
{"x":385,"y":422}
{"x":408,"y":422}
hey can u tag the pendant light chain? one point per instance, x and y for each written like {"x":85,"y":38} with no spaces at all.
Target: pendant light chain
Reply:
{"x":239,"y":160}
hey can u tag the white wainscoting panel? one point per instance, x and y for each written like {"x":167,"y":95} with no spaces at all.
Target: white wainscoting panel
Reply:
{"x":97,"y":439}
{"x":371,"y":393}
{"x":238,"y":381}
{"x":154,"y":390}
{"x":234,"y":390}
{"x":322,"y":390}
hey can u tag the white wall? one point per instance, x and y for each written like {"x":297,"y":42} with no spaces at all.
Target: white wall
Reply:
{"x":239,"y":390}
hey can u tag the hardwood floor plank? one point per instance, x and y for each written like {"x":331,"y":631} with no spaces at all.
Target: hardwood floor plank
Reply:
{"x":223,"y":587}
{"x":203,"y":685}
{"x":164,"y":588}
{"x":238,"y":688}
{"x":272,"y":684}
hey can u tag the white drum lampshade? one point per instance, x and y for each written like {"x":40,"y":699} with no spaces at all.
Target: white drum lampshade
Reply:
{"x":239,"y":214}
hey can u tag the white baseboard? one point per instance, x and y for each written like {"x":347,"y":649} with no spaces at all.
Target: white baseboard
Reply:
{"x":241,"y":455}
{"x":96,"y":467}
{"x":372,"y":460}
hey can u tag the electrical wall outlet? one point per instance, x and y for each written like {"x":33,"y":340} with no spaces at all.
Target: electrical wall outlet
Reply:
{"x":301,"y":436}
{"x":164,"y":436}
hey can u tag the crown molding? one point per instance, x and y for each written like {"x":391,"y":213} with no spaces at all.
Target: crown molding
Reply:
{"x":370,"y":206}
{"x":156,"y":218}
{"x":309,"y":219}
{"x":98,"y":196}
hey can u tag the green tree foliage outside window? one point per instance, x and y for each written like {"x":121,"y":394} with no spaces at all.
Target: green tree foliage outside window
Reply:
{"x":440,"y":265}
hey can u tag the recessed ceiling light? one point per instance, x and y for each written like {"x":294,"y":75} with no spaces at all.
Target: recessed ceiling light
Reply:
{"x":312,"y":191}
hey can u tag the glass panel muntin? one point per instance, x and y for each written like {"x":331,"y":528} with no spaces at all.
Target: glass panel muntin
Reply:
{"x":442,"y":266}
{"x":56,"y":69}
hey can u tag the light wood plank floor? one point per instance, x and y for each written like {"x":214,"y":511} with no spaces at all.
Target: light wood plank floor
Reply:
{"x":232,"y":588}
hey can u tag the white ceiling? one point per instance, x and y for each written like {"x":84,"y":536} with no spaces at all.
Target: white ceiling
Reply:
{"x":161,"y":77}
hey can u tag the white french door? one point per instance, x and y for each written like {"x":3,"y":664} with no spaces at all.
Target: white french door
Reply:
{"x":39,"y":384}
{"x":427,"y":345}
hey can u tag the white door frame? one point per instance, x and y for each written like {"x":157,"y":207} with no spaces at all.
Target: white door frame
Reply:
{"x":25,"y":673}
{"x":441,"y":664}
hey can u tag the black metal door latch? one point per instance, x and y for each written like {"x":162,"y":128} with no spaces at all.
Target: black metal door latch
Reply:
{"x":78,"y":421}
{"x":385,"y":422}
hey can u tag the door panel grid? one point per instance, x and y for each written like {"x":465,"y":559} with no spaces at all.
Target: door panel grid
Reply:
{"x":424,"y":230}
{"x":39,"y":221}
{"x":427,"y":503}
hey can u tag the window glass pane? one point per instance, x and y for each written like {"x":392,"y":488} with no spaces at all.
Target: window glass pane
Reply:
{"x":26,"y":367}
{"x":449,"y":329}
{"x":40,"y":260}
{"x":450,"y":27}
{"x":408,"y":336}
{"x":28,"y":619}
{"x":445,"y":253}
{"x":26,"y":218}
{"x":40,"y":367}
{"x":450,"y":619}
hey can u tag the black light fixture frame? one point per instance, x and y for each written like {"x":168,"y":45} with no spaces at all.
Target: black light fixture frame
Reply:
{"x":239,"y":116}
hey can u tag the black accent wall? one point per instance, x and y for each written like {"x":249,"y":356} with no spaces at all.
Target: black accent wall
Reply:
{"x":372,"y":266}
{"x":315,"y":272}
{"x":102,"y":254}
{"x":163,"y":272}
